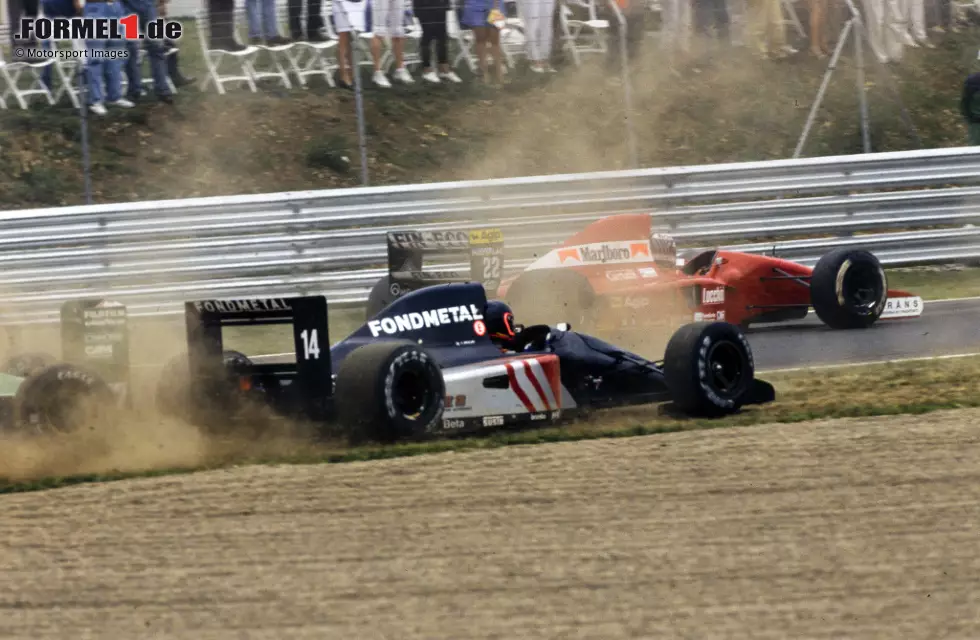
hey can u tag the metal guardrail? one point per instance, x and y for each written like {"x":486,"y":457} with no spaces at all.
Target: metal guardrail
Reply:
{"x":154,"y":255}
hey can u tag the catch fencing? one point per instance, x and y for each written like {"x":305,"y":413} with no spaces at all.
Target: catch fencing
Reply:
{"x":911,"y":208}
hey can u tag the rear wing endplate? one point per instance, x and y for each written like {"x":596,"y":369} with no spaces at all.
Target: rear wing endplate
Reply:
{"x":95,"y":333}
{"x":310,"y":376}
{"x":407,"y":249}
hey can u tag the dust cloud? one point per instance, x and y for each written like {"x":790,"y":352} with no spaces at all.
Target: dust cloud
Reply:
{"x":142,"y":438}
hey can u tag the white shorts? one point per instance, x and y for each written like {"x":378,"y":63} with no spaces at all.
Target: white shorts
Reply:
{"x":349,"y":16}
{"x":388,"y":18}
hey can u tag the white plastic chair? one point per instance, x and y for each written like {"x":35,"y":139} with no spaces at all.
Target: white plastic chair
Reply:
{"x":15,"y":72}
{"x":581,"y":36}
{"x":213,"y":58}
{"x":307,"y":59}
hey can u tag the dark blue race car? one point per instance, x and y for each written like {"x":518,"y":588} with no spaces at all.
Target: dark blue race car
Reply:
{"x":443,"y":360}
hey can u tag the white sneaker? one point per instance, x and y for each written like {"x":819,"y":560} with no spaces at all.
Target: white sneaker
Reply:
{"x":450,"y":76}
{"x":402,"y":75}
{"x":380,"y":80}
{"x":123,"y":102}
{"x":430,"y":76}
{"x":98,"y":109}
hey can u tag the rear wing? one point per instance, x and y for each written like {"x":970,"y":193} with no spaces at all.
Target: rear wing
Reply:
{"x":301,"y":389}
{"x":407,"y":251}
{"x":95,"y":334}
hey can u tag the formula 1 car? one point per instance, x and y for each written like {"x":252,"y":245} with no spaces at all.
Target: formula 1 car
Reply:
{"x":408,"y":249}
{"x":426,"y":366}
{"x":92,"y":380}
{"x":618,"y":273}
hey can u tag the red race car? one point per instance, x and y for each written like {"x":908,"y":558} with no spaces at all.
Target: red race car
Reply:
{"x":617,"y":273}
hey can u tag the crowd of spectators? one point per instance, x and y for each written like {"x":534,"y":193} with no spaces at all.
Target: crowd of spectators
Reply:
{"x":761,"y":25}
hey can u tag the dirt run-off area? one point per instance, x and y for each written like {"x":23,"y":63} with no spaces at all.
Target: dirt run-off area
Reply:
{"x":833,"y":529}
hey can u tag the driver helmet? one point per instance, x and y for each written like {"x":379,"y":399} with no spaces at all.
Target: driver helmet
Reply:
{"x":499,"y":320}
{"x":663,"y":250}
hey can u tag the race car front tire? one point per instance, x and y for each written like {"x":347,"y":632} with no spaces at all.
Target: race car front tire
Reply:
{"x":389,"y":391}
{"x":709,"y":368}
{"x":848,"y":289}
{"x":64,"y":398}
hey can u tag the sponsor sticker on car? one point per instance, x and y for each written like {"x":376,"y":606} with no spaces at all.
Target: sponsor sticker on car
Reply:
{"x":713,"y":296}
{"x":425,"y":319}
{"x":904,"y":307}
{"x":493,"y":421}
{"x":621,"y":274}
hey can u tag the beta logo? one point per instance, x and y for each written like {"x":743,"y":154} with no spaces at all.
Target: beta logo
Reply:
{"x":431,"y":318}
{"x":713,"y":296}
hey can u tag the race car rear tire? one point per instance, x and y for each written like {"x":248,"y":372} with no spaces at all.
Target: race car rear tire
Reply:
{"x":176,"y":397}
{"x":708,"y":368}
{"x":389,"y":391}
{"x":848,"y":289}
{"x":383,"y":293}
{"x":551,"y":297}
{"x":64,"y":398}
{"x":24,"y":365}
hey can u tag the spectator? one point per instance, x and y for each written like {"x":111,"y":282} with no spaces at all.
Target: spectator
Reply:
{"x":767,"y":29}
{"x":314,"y":21}
{"x":221,"y":16}
{"x":915,"y":13}
{"x":348,"y":17}
{"x":538,"y":17}
{"x":970,"y":107}
{"x":105,"y":68}
{"x":676,"y":29}
{"x":819,"y":45}
{"x":56,"y":9}
{"x":263,"y":25}
{"x":634,"y":13}
{"x":484,"y":18}
{"x":711,"y":18}
{"x":16,"y":9}
{"x":432,"y":17}
{"x":146,"y":12}
{"x":388,"y":21}
{"x":173,"y":68}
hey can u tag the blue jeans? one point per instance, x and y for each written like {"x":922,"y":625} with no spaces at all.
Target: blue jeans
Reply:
{"x":147,"y":12}
{"x":99,"y":69}
{"x":262,"y":19}
{"x":51,"y":10}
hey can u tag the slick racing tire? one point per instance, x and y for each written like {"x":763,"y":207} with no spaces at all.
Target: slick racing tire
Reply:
{"x":551,"y":297}
{"x":64,"y":398}
{"x":178,"y":398}
{"x":709,"y":368}
{"x":383,"y":293}
{"x":25,"y":365}
{"x":389,"y":391}
{"x":848,"y":289}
